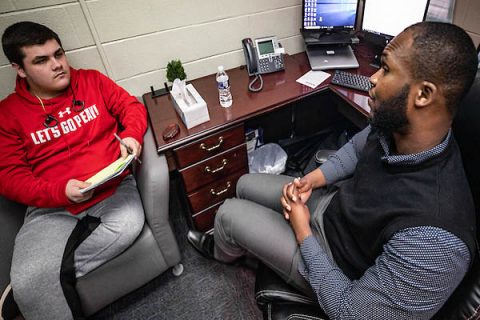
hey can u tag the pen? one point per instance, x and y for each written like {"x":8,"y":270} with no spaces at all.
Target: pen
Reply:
{"x":129,"y":150}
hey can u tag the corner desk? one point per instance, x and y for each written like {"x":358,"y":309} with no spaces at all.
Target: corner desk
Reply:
{"x":212,"y":156}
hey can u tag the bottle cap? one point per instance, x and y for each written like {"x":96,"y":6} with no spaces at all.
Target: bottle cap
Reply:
{"x":220,"y":68}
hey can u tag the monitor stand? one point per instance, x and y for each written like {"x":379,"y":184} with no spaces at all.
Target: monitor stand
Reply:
{"x":327,"y":57}
{"x":328,"y":37}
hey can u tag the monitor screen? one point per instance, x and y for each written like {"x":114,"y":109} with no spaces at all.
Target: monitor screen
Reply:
{"x":329,"y":14}
{"x":390,"y":17}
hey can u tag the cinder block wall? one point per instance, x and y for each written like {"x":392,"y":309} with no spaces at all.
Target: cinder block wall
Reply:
{"x":467,"y":16}
{"x":132,"y":41}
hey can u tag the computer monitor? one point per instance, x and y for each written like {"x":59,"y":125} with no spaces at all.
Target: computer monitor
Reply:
{"x":329,"y":14}
{"x":384,"y":19}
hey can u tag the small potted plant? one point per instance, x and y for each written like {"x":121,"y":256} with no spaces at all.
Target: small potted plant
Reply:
{"x":175,"y":70}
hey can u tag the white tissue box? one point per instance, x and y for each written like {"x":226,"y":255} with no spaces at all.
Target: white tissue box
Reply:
{"x":192,"y":114}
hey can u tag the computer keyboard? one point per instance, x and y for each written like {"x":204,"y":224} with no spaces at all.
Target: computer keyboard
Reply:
{"x":351,"y":80}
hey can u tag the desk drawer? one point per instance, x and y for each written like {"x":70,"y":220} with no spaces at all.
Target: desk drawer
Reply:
{"x":215,"y":168}
{"x":209,"y":146}
{"x":215,"y":192}
{"x":205,"y":220}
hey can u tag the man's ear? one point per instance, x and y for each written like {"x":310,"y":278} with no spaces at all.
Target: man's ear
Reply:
{"x":426,"y":93}
{"x":20,"y":72}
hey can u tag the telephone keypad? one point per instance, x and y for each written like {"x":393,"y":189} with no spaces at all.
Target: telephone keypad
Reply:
{"x":271,"y":64}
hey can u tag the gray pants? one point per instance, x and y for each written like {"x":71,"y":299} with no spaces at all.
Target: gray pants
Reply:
{"x":253,"y":223}
{"x":40,"y":245}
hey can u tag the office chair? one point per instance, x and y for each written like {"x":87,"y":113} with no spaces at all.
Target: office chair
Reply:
{"x":280,"y":301}
{"x":154,"y":251}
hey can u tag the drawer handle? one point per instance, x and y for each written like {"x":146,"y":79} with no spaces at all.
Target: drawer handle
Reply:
{"x":224,"y":163}
{"x":204,"y":147}
{"x":217,"y":193}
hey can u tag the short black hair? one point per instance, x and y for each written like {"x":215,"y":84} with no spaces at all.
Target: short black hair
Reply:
{"x":22,"y":34}
{"x":445,"y":55}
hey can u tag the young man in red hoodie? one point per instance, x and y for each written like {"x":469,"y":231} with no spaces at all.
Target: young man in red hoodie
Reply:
{"x":57,"y":130}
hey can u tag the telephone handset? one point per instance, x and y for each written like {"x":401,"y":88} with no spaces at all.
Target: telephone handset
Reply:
{"x":250,"y":56}
{"x":265,"y":57}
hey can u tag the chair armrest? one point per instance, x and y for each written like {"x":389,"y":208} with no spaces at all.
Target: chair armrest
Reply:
{"x":270,"y":288}
{"x":11,"y":219}
{"x":280,"y":301}
{"x":154,"y":186}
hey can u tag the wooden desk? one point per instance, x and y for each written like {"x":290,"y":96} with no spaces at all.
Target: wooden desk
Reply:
{"x":212,"y":175}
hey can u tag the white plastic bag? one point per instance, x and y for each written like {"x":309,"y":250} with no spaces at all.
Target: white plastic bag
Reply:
{"x":269,"y":158}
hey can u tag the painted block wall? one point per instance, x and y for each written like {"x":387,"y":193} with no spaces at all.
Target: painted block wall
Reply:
{"x":132,"y":41}
{"x":467,"y":16}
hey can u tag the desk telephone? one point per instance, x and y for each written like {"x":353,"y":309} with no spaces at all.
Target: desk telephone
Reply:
{"x":265,"y":57}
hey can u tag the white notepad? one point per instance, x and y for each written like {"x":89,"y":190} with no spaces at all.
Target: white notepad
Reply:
{"x":313,"y":78}
{"x":111,"y":171}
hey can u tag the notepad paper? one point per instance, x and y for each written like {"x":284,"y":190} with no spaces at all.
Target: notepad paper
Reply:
{"x":111,"y":171}
{"x":313,"y":78}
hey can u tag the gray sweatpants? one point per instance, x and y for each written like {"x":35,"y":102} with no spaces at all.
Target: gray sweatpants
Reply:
{"x":253,"y":223}
{"x":41,"y":241}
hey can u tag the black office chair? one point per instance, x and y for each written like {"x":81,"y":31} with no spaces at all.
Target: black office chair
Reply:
{"x":279,"y":301}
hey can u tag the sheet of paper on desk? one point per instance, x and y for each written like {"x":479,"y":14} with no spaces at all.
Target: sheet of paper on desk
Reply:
{"x":313,"y":78}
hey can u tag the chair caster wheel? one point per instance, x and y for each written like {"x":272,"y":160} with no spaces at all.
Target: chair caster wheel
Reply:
{"x":177,"y":270}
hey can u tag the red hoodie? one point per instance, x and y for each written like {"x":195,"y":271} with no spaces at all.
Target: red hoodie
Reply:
{"x":37,"y":162}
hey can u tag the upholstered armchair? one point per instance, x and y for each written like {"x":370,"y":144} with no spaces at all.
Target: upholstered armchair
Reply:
{"x":279,"y":301}
{"x":153,"y":252}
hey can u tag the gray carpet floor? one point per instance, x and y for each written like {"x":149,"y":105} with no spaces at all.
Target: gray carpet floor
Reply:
{"x":206,"y":289}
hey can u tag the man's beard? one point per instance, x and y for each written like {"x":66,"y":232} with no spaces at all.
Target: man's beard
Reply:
{"x":391,"y":114}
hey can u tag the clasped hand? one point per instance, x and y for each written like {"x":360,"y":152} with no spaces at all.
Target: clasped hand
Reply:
{"x":294,"y":196}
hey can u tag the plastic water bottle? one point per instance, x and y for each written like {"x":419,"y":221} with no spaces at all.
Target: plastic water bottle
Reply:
{"x":224,"y":94}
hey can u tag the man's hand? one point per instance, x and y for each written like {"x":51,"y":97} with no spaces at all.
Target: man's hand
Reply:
{"x":304,"y":187}
{"x":134,"y":145}
{"x":304,"y":190}
{"x":72,"y":191}
{"x":299,"y":215}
